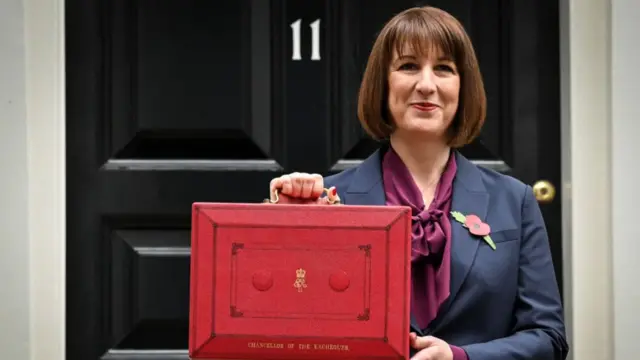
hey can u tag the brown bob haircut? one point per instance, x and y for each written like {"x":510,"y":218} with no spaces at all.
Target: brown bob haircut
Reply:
{"x":420,"y":30}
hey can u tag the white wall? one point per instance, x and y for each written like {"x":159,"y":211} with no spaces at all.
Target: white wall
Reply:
{"x":600,"y":83}
{"x":625,"y":179}
{"x":14,"y":250}
{"x":601,"y":77}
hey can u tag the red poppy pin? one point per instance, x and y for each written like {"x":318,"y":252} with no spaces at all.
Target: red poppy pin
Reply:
{"x":475,"y":226}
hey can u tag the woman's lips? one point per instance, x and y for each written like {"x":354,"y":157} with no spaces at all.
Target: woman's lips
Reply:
{"x":425,"y":106}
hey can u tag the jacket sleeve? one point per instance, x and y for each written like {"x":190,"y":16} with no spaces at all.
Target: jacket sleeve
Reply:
{"x":539,"y":331}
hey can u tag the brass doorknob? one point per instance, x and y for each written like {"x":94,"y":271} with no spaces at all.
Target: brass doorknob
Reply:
{"x":544,"y":191}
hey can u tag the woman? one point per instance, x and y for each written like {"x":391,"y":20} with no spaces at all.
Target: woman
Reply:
{"x":422,"y":95}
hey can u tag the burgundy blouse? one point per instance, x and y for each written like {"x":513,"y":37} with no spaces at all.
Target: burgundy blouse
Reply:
{"x":431,"y":236}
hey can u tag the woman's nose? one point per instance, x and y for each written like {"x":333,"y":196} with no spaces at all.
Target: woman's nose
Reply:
{"x":426,"y":82}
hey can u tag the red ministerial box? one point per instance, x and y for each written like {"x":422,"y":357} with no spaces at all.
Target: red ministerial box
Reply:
{"x":299,"y":282}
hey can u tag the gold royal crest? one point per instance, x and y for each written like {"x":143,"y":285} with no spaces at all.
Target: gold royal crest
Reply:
{"x":300,"y":283}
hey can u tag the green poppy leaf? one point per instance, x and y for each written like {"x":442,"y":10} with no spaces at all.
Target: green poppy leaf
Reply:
{"x":487,"y":238}
{"x":458,"y":216}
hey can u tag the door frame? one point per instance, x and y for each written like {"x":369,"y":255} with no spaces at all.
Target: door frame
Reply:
{"x":585,"y":172}
{"x":44,"y":75}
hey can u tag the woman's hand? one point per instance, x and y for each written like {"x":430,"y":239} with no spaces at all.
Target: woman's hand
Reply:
{"x":431,"y":348}
{"x":301,"y":188}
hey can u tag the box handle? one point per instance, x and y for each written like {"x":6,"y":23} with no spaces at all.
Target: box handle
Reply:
{"x":332,"y":196}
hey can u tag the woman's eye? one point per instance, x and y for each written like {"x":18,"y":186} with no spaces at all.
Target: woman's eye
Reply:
{"x":443,"y":67}
{"x":408,"y":66}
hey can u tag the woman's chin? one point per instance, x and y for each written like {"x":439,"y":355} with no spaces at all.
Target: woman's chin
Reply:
{"x":423,"y":132}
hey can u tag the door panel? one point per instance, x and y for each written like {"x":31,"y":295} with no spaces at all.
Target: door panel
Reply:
{"x":171,"y":102}
{"x":185,"y":83}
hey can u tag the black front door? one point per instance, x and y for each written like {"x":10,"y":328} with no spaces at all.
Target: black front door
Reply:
{"x":172,"y":102}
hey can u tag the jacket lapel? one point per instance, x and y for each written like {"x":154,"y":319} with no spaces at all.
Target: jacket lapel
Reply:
{"x":469,"y":197}
{"x":367,"y":188}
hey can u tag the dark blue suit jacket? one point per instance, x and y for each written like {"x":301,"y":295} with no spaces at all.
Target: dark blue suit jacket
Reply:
{"x":504,"y":303}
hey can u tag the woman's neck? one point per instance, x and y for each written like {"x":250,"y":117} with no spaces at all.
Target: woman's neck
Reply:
{"x":425,"y":159}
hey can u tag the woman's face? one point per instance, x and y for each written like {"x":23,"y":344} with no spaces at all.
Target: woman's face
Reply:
{"x":423,"y":94}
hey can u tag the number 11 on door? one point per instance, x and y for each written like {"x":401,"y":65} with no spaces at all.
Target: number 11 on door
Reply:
{"x":315,"y":40}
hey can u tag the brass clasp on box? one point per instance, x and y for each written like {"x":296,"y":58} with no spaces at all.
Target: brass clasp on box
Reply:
{"x":332,"y":197}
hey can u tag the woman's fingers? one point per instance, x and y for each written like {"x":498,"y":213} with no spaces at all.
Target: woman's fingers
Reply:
{"x":299,"y":188}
